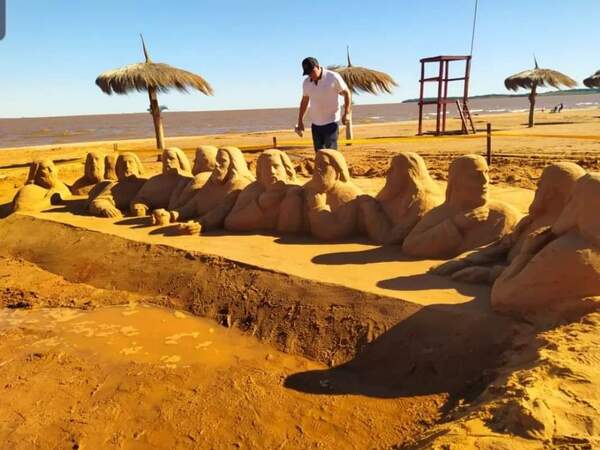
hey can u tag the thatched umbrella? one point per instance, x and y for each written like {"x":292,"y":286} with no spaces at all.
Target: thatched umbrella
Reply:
{"x":152,"y":77}
{"x":534,"y":78}
{"x":361,"y":79}
{"x":593,"y":81}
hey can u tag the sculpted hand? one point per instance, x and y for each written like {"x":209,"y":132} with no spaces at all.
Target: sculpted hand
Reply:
{"x":139,"y":210}
{"x":190,"y":227}
{"x":448,"y":268}
{"x":537,"y":240}
{"x":318,"y":201}
{"x":111,"y":212}
{"x":475,"y":275}
{"x":161,"y":217}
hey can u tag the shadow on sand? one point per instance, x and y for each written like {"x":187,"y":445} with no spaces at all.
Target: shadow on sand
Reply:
{"x":449,"y":349}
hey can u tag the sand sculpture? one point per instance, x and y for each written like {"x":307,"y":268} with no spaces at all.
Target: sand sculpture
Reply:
{"x":273,"y":202}
{"x":466,"y":220}
{"x":110,"y":166}
{"x":552,"y":194}
{"x":42,"y":188}
{"x":204,"y":164}
{"x":162,"y":191}
{"x":559,"y":264}
{"x":93,"y":173}
{"x":408,"y":194}
{"x":331,"y":198}
{"x":212,"y":203}
{"x":116,"y":196}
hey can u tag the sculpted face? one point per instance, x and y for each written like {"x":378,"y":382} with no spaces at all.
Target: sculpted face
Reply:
{"x":221,"y":167}
{"x":581,"y":211}
{"x":272,"y":170}
{"x":45,"y":174}
{"x":555,"y":186}
{"x":129,"y":166}
{"x":468,"y":181}
{"x":94,"y":166}
{"x":325,"y":175}
{"x":170,"y":162}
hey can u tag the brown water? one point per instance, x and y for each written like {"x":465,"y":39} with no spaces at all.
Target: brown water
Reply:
{"x":59,"y":130}
{"x":145,"y":334}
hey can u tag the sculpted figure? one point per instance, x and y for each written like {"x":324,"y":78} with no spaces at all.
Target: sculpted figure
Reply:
{"x":93,"y":173}
{"x":213,"y":201}
{"x":331,"y":198}
{"x":161,"y":191}
{"x":486,"y":264}
{"x":466,"y":220}
{"x":204,"y":163}
{"x":557,"y":263}
{"x":273,"y":202}
{"x":110,"y":166}
{"x":41,"y":189}
{"x":116,"y":196}
{"x":408,"y":194}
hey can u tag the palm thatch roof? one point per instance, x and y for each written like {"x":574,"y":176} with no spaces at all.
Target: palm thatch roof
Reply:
{"x":148,"y":74}
{"x":366,"y":80}
{"x":538,"y":77}
{"x":593,"y":81}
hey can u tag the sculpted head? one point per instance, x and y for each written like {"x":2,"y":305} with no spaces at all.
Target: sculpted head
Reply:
{"x":406,"y":170}
{"x":468,"y":182}
{"x":110,"y":166}
{"x":582,"y":209}
{"x":204,"y":160}
{"x":330,"y":168}
{"x":128,"y":166}
{"x":230,"y":164}
{"x":274,"y":170}
{"x":94,"y":166}
{"x":43,"y":173}
{"x":174,"y":161}
{"x":555,"y":187}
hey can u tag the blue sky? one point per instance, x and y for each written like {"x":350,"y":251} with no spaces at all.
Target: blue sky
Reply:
{"x":250,"y":51}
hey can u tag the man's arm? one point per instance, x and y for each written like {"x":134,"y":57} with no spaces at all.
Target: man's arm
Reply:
{"x":347,"y":102}
{"x":303,"y":106}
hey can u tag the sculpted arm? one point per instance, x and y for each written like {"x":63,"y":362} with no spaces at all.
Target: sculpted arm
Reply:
{"x":245,"y":214}
{"x":333,"y":225}
{"x":291,"y":217}
{"x":215,"y":217}
{"x":377,"y":223}
{"x":103,"y":204}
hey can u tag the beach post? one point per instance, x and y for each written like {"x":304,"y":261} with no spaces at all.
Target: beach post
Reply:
{"x":274,"y":141}
{"x":489,"y":143}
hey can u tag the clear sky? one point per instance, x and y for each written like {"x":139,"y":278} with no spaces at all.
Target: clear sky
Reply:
{"x":250,"y":51}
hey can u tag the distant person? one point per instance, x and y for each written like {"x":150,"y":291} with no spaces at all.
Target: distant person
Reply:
{"x":322,"y":89}
{"x":560,"y":107}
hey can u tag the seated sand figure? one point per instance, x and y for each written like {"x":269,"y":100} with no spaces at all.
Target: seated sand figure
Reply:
{"x":558,"y":265}
{"x":116,"y":196}
{"x":331,"y":198}
{"x":161,"y":191}
{"x":212,"y":203}
{"x":110,"y":166}
{"x":204,"y":163}
{"x":42,"y":188}
{"x":486,"y":264}
{"x":93,"y":173}
{"x":466,"y":220}
{"x":408,"y":194}
{"x":273,"y":202}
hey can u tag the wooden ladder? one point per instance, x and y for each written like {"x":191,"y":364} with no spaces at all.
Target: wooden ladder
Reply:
{"x":465,"y":117}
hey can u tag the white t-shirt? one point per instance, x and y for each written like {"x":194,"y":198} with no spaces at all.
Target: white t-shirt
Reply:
{"x":324,"y":97}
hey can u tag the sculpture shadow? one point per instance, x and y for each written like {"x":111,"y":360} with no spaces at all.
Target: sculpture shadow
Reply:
{"x":385,"y":253}
{"x":168,"y":231}
{"x":5,"y":210}
{"x":75,"y":206}
{"x":135,"y":222}
{"x":440,"y":349}
{"x":296,"y":239}
{"x":427,"y":281}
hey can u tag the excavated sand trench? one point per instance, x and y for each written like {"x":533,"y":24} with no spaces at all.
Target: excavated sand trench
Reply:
{"x":357,"y":347}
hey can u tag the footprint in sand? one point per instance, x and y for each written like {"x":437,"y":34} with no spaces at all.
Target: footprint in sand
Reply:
{"x":169,"y":361}
{"x":130,"y":350}
{"x":174,"y":339}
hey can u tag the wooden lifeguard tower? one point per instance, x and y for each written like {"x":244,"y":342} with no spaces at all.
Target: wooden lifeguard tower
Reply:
{"x":442,"y":100}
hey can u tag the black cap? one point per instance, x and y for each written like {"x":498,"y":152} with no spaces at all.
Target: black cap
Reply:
{"x":308,"y":64}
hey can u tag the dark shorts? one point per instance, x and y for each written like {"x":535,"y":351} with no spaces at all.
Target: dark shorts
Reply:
{"x":325,"y":136}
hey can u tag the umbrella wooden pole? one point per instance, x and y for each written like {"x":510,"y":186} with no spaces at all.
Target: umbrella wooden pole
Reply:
{"x":158,"y":127}
{"x":349,"y":129}
{"x":532,"y":104}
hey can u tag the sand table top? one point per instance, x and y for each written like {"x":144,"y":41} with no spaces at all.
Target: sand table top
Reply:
{"x":358,"y":265}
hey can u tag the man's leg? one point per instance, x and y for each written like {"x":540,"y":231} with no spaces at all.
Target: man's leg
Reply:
{"x":330,"y":137}
{"x":317,"y":135}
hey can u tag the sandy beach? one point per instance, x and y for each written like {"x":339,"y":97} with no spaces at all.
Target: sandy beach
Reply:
{"x":342,"y":345}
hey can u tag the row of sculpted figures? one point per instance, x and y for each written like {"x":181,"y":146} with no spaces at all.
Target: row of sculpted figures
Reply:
{"x":549,"y":256}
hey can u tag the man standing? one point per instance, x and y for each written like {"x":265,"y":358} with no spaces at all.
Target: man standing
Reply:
{"x":322,"y":89}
